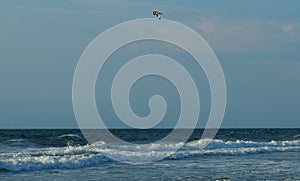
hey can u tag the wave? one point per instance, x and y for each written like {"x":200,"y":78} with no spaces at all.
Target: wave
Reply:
{"x":15,"y":140}
{"x":240,"y":144}
{"x":51,"y":158}
{"x":88,"y":155}
{"x":70,"y":136}
{"x":296,"y":136}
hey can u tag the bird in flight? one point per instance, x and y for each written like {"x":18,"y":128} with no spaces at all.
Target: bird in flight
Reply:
{"x":157,"y":14}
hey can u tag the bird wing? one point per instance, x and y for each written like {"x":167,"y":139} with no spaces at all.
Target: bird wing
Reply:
{"x":158,"y":16}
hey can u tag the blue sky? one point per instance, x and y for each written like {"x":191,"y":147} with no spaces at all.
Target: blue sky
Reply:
{"x":257,"y":43}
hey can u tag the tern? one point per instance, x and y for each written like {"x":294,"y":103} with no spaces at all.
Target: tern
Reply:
{"x":157,"y":14}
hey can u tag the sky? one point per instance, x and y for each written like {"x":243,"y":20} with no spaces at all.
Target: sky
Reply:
{"x":257,"y":43}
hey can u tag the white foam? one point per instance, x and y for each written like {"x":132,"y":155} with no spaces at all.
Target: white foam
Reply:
{"x":15,"y":140}
{"x":80,"y":156}
{"x":240,"y":144}
{"x":51,"y":158}
{"x":70,"y":136}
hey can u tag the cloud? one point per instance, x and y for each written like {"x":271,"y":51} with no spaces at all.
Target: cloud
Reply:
{"x":291,"y":29}
{"x":240,"y":35}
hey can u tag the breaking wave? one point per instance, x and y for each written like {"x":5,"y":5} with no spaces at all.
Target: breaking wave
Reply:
{"x":71,"y":156}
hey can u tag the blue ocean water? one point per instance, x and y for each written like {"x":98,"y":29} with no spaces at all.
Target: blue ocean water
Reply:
{"x":234,"y":154}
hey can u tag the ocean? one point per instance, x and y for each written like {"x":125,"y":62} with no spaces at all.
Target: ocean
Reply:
{"x":234,"y":154}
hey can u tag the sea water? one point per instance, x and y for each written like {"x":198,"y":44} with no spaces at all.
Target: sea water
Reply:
{"x":234,"y":154}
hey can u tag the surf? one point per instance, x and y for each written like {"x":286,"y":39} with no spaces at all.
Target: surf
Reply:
{"x":76,"y":156}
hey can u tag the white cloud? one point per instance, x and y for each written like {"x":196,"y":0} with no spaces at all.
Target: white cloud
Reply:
{"x":239,"y":35}
{"x":291,"y":29}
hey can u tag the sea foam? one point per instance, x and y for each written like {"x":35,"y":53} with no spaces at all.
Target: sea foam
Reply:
{"x":69,"y":157}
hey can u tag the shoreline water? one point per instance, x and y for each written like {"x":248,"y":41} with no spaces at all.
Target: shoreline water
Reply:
{"x":234,"y":153}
